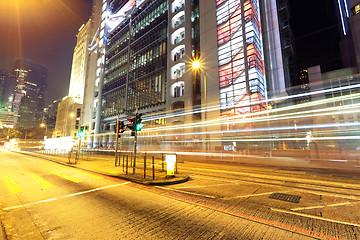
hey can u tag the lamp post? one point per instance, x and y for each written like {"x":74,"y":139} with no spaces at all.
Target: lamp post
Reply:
{"x":196,"y":65}
{"x":43,"y":125}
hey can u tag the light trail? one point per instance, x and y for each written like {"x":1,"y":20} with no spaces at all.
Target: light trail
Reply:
{"x":267,"y":112}
{"x":281,"y":128}
{"x":277,"y":99}
{"x":304,"y":114}
{"x":269,"y":139}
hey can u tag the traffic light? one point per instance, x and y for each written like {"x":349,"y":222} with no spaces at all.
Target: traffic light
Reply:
{"x":138,"y":124}
{"x":81,"y":133}
{"x":132,"y":124}
{"x":121,"y":127}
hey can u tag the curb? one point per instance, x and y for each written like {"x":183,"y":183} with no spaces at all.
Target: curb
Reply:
{"x":126,"y":177}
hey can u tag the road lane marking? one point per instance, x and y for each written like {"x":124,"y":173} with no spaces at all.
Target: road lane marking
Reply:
{"x":204,"y":186}
{"x":307,"y":208}
{"x":330,"y":205}
{"x":66,"y":196}
{"x":315,"y":217}
{"x":39,"y":180}
{"x":247,"y":196}
{"x":12,"y":185}
{"x":190,"y":193}
{"x":66,"y":177}
{"x":215,"y":179}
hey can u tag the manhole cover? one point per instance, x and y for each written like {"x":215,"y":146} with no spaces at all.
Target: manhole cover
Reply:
{"x":285,"y":197}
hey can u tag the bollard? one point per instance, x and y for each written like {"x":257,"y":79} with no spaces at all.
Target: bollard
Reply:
{"x":145,"y":165}
{"x":76,"y":157}
{"x":116,"y":160}
{"x":123,"y":163}
{"x":131,"y":160}
{"x":162,"y":162}
{"x":153,"y":166}
{"x":69,"y":156}
{"x":127,"y":163}
{"x":176,"y":165}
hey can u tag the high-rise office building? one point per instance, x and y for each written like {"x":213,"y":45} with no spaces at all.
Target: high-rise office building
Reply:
{"x":144,"y":51}
{"x":3,"y":78}
{"x":136,"y":56}
{"x":66,"y":123}
{"x":29,"y":96}
{"x":79,"y":63}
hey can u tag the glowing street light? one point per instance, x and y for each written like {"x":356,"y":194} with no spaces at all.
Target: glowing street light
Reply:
{"x":43,"y":125}
{"x":196,"y":65}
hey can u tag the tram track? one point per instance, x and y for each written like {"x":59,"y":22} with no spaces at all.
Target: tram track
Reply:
{"x":315,"y":186}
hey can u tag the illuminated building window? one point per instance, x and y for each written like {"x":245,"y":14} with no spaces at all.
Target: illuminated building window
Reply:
{"x":355,"y":10}
{"x":241,"y":72}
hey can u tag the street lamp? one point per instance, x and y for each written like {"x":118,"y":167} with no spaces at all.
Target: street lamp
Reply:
{"x":196,"y":65}
{"x":43,"y":125}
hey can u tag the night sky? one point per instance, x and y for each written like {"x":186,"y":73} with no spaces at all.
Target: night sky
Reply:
{"x":317,"y":31}
{"x":44,"y":31}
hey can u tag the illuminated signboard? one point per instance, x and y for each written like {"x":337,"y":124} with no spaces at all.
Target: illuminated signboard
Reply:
{"x":113,"y":20}
{"x":241,"y":64}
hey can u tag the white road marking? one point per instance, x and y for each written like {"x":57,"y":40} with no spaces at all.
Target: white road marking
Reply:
{"x":215,"y":178}
{"x":330,"y":205}
{"x":190,"y":193}
{"x":315,"y":217}
{"x":202,"y":186}
{"x":70,"y":195}
{"x":247,"y":196}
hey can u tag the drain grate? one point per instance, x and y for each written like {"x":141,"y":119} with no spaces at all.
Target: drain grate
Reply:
{"x":285,"y":197}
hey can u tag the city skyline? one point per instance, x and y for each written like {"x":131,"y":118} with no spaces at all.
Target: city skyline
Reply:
{"x":45,"y":33}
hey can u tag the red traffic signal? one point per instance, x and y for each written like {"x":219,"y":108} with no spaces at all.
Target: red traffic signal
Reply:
{"x":132,"y":123}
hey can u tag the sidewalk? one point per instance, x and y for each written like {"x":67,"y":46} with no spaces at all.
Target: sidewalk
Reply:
{"x":106,"y":165}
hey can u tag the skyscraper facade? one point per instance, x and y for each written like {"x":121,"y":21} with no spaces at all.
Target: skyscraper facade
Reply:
{"x":145,"y":51}
{"x":29,"y":96}
{"x":79,"y":63}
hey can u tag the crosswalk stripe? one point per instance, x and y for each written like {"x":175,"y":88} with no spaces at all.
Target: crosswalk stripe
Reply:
{"x":12,"y":185}
{"x":39,"y":180}
{"x":66,"y":177}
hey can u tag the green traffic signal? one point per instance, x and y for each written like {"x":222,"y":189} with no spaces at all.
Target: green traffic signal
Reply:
{"x":81,"y":133}
{"x":139,"y":126}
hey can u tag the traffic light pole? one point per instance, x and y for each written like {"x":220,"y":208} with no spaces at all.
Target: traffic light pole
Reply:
{"x":117,"y":139}
{"x":135,"y":143}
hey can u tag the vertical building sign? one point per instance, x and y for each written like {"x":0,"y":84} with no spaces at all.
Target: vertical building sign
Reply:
{"x":240,"y":57}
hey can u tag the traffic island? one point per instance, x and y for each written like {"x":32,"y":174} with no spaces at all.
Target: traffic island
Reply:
{"x":154,"y":173}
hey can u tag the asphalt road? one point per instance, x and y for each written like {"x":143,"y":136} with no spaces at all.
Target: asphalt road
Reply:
{"x":44,"y":200}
